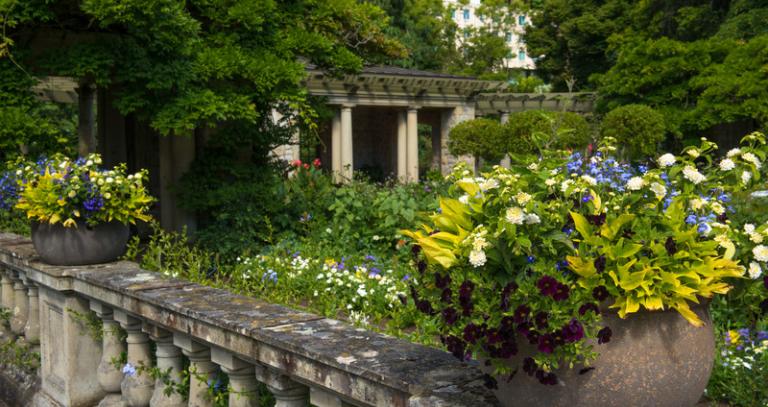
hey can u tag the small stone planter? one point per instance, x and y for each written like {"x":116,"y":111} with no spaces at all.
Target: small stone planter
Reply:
{"x":653,"y":359}
{"x":81,"y":245}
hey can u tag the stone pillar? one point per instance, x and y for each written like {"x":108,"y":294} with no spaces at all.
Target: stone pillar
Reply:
{"x":243,"y":390}
{"x":336,"y":146}
{"x":85,"y":119}
{"x":7,"y":304}
{"x":412,"y":145}
{"x":32,"y":327}
{"x":347,"y":150}
{"x":136,"y":387}
{"x":450,"y":118}
{"x":201,"y":369}
{"x":402,"y":157}
{"x":70,"y":357}
{"x":505,"y":162}
{"x":20,"y":307}
{"x":109,"y":375}
{"x":287,"y":392}
{"x":168,"y":361}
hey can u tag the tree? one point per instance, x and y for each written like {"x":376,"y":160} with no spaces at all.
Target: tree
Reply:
{"x":480,"y":138}
{"x":638,"y":130}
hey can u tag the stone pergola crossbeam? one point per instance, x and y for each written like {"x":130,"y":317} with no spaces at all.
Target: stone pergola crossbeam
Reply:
{"x":331,"y":358}
{"x":495,"y":103}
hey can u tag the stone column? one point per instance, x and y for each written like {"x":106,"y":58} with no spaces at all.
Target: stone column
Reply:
{"x":32,"y":327}
{"x":336,"y":146}
{"x":243,"y":390}
{"x":347,"y":150}
{"x":85,"y":119}
{"x":450,"y":118}
{"x":505,"y":162}
{"x":412,"y":145}
{"x":109,"y":375}
{"x":137,"y":387}
{"x":402,"y":157}
{"x":20,"y":307}
{"x":201,"y":369}
{"x":169,"y":362}
{"x":7,"y":304}
{"x":287,"y":392}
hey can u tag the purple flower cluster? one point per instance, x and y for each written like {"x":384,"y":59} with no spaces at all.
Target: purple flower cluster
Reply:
{"x":549,"y":286}
{"x":9,"y":191}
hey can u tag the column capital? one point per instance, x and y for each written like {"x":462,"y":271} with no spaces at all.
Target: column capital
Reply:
{"x":413,"y":108}
{"x":347,"y":105}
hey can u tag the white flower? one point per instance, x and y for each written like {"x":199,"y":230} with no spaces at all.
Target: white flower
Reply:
{"x":754,"y":270}
{"x":553,"y":172}
{"x":479,"y":244}
{"x":749,"y":228}
{"x":696,"y":204}
{"x":704,"y":229}
{"x":746,"y":176}
{"x":659,"y":190}
{"x":362,"y":292}
{"x":72,"y":194}
{"x":733,"y":152}
{"x":489,"y":184}
{"x":100,"y":182}
{"x":464,"y":199}
{"x":667,"y":160}
{"x":756,"y":238}
{"x":533,"y":167}
{"x":110,"y":180}
{"x":565,"y":185}
{"x":760,"y":252}
{"x":692,"y":174}
{"x":522,"y":198}
{"x":635,"y":183}
{"x":515,"y":216}
{"x":532,"y":218}
{"x":693,"y":153}
{"x":89,"y":163}
{"x":549,"y":182}
{"x":751,"y":158}
{"x":107,"y":195}
{"x":589,"y":180}
{"x":328,"y":230}
{"x":477,"y":258}
{"x":717,"y":208}
{"x":727,"y":164}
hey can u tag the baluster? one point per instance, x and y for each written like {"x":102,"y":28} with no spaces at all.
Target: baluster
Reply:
{"x":32,"y":328}
{"x":242,"y":381}
{"x":168,"y":361}
{"x":112,"y":347}
{"x":287,"y":392}
{"x":20,"y":307}
{"x":7,"y":290}
{"x":201,"y":369}
{"x":321,"y":398}
{"x":137,"y":387}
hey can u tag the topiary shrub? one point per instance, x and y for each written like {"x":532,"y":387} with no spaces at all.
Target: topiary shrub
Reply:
{"x":532,"y":129}
{"x":480,"y":138}
{"x":638,"y":129}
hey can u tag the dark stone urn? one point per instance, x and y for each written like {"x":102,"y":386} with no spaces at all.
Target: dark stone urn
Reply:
{"x":654,"y":359}
{"x":81,"y":245}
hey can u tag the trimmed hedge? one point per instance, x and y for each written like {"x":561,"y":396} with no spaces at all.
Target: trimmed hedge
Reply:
{"x":638,"y":130}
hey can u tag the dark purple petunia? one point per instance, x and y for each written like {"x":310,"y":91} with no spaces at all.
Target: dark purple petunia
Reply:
{"x":547,"y":378}
{"x":472,"y":333}
{"x":415,"y":249}
{"x":764,"y":306}
{"x":627,"y":234}
{"x":558,"y":337}
{"x":540,"y":320}
{"x":590,"y":306}
{"x":597,"y":220}
{"x":722,"y":218}
{"x":521,"y":314}
{"x":493,"y":336}
{"x":562,"y":292}
{"x":465,"y":297}
{"x":508,"y":349}
{"x":425,"y":307}
{"x":604,"y":335}
{"x":547,"y":285}
{"x":446,"y":296}
{"x":422,"y":266}
{"x":573,"y":331}
{"x":456,"y":346}
{"x":533,"y":337}
{"x":529,"y":366}
{"x":671,"y":246}
{"x":765,"y":281}
{"x":546,"y":343}
{"x":490,"y":382}
{"x":442,"y":281}
{"x":507,"y":326}
{"x":505,"y":293}
{"x":600,"y":264}
{"x":524,"y":328}
{"x":450,"y":316}
{"x":600,"y":293}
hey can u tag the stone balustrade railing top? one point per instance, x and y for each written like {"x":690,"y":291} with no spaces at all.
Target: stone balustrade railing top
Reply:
{"x":302,"y":358}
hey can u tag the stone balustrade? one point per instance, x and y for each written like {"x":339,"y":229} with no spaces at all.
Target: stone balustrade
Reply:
{"x":300,"y":357}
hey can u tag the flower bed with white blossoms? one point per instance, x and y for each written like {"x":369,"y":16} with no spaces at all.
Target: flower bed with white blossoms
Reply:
{"x":534,"y":253}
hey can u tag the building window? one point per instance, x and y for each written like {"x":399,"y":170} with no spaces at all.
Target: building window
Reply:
{"x":453,"y":14}
{"x":521,"y":20}
{"x":508,"y":37}
{"x":466,"y":33}
{"x":521,"y":55}
{"x":466,"y":14}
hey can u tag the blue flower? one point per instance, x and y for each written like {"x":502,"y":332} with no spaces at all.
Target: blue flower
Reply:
{"x":691,"y":219}
{"x":406,"y":277}
{"x":269,"y":275}
{"x":129,"y":370}
{"x":530,"y":259}
{"x":704,"y":229}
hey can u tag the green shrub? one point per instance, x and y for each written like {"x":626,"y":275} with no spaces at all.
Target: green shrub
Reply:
{"x":532,"y":129}
{"x":480,"y":137}
{"x":638,"y":129}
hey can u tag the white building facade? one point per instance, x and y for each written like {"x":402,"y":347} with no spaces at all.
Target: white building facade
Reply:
{"x":466,"y":17}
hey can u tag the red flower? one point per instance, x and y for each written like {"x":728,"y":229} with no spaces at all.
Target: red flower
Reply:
{"x":296,"y":163}
{"x":316,"y":163}
{"x":306,"y":166}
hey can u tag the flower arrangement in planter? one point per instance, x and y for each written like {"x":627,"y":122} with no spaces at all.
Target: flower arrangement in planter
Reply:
{"x":80,"y":212}
{"x":534,"y":270}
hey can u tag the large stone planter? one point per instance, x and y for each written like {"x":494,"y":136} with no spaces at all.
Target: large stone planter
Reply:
{"x":654,"y":359}
{"x":77,"y":246}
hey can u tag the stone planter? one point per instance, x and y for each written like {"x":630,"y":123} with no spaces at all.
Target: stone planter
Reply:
{"x":77,"y":246}
{"x":653,"y":359}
